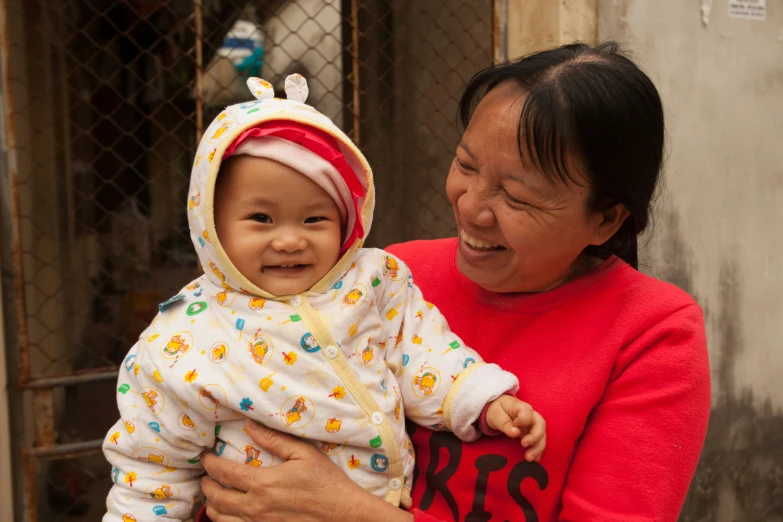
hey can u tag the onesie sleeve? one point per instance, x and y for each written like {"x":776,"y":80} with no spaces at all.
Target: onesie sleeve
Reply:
{"x":444,"y":384}
{"x":155,"y":447}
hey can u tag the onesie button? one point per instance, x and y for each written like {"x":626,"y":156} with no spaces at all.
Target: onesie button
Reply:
{"x":395,"y":484}
{"x":377,"y":418}
{"x":331,"y":352}
{"x":295,"y":301}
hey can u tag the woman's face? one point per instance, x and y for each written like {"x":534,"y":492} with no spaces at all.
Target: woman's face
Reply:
{"x":518,"y":231}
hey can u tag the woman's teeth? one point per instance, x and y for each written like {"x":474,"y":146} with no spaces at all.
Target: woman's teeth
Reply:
{"x":477,"y":243}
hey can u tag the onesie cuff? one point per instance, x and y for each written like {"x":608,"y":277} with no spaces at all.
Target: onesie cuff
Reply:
{"x":470,"y":395}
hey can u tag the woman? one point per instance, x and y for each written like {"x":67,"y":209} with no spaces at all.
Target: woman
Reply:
{"x":551,"y":184}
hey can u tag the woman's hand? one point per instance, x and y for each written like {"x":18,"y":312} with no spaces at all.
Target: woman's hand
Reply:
{"x":307,"y":486}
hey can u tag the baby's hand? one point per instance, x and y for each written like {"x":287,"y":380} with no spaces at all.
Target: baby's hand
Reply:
{"x":518,"y":419}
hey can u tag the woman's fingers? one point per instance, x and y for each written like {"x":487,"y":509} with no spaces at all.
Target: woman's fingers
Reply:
{"x":279,"y":444}
{"x":230,"y":474}
{"x":216,"y":516}
{"x":222,"y":500}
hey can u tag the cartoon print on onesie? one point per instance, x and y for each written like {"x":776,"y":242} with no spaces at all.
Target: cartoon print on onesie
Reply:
{"x":297,"y":412}
{"x":261,"y":348}
{"x":426,"y":381}
{"x":218,"y":353}
{"x":365,"y":352}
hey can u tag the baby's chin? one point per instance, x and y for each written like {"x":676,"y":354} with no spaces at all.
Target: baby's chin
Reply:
{"x":285,"y":286}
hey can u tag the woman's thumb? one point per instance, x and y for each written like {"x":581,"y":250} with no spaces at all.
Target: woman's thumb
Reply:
{"x":279,"y":444}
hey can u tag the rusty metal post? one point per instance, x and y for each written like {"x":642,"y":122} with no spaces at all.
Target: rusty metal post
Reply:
{"x":31,"y":498}
{"x":24,"y":489}
{"x":13,"y":188}
{"x":198,"y":14}
{"x":43,"y":399}
{"x":6,"y":464}
{"x":500,"y":31}
{"x":355,"y":70}
{"x":43,"y":417}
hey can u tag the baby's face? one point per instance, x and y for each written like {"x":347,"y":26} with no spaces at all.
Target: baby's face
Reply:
{"x":280,"y":229}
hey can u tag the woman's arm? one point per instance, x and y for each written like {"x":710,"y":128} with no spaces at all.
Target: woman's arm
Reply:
{"x":307,"y":486}
{"x":639,"y":451}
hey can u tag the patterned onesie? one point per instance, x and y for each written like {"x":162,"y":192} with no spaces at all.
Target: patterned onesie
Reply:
{"x":341,"y":365}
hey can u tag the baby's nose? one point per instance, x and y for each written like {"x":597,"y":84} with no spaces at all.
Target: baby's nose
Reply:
{"x":289,"y":242}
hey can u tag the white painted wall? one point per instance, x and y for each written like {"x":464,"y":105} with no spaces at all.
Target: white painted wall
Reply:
{"x":719,"y":230}
{"x":722,"y":87}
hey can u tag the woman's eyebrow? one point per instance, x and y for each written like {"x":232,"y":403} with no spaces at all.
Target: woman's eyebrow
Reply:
{"x":464,"y":147}
{"x":527,"y":183}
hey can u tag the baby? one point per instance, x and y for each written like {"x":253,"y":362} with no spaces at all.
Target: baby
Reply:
{"x":293,"y":325}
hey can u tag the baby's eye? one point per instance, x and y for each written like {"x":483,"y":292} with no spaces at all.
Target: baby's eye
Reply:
{"x":261,"y":218}
{"x":315,"y":219}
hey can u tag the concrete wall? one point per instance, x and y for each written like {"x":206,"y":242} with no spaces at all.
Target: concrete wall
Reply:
{"x":720,"y":225}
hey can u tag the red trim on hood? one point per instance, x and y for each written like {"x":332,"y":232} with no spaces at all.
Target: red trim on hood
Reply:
{"x":318,"y":142}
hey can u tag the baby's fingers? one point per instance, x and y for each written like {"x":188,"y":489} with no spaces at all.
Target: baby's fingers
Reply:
{"x":534,"y":453}
{"x":509,"y":430}
{"x":537,"y":431}
{"x":522,"y":414}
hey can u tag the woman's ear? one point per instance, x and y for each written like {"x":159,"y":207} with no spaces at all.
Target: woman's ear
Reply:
{"x":608,"y":222}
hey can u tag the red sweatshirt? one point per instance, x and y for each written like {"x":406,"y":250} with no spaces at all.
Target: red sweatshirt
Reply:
{"x":615,"y":361}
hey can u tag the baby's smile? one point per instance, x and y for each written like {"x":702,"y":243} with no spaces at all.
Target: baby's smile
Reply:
{"x":295,"y":270}
{"x":283,"y":249}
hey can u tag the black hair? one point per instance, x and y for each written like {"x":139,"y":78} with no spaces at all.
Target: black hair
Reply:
{"x":594,"y":109}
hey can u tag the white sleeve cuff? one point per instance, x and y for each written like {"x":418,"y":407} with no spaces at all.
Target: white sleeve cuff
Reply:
{"x":480,"y":387}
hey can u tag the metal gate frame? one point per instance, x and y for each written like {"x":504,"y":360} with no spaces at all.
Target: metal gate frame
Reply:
{"x":44,"y":446}
{"x":13,"y":318}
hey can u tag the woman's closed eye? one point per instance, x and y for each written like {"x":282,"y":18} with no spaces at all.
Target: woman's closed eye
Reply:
{"x":515,"y":201}
{"x":462,"y":165}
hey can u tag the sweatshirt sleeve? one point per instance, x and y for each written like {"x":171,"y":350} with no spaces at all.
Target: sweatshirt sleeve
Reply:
{"x":639,"y":450}
{"x":444,"y":384}
{"x":155,"y":447}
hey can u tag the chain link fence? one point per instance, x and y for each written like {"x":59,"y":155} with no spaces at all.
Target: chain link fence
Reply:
{"x":103,"y":105}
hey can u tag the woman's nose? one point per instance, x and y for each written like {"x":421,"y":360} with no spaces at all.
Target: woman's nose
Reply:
{"x":289,"y":241}
{"x":474,"y":205}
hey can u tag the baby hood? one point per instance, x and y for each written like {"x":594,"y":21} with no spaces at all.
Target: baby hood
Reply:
{"x":221,"y":134}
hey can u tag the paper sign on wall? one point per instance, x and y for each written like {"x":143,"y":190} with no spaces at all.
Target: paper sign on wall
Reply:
{"x":748,"y":9}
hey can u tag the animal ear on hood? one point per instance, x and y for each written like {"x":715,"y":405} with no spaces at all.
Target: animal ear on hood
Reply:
{"x":296,"y":88}
{"x":261,"y":89}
